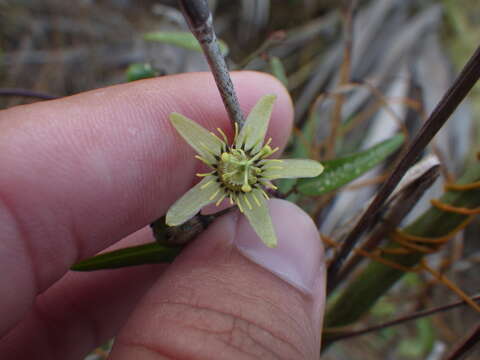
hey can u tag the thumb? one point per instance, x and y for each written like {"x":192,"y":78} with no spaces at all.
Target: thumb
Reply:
{"x":215,"y":303}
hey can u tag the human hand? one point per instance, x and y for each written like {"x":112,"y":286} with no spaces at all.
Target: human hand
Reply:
{"x":80,"y":173}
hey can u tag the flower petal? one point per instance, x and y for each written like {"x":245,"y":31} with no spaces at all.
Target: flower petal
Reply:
{"x":255,"y":209}
{"x":204,"y":193}
{"x":255,"y":127}
{"x":291,"y":168}
{"x":204,"y":143}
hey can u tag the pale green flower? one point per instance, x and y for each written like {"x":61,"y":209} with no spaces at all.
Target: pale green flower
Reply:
{"x":240,"y":172}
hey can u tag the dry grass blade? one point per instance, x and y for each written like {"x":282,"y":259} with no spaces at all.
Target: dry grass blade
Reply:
{"x":397,"y":208}
{"x":454,"y":96}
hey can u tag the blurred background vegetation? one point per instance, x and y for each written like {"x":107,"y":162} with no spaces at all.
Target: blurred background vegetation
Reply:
{"x":401,"y":57}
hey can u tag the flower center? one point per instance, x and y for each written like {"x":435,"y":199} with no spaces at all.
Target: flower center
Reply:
{"x":237,"y":171}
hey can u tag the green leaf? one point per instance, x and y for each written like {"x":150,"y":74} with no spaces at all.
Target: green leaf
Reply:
{"x":151,"y":253}
{"x":140,"y":71}
{"x":182,"y":39}
{"x":339,"y":172}
{"x":278,"y":70}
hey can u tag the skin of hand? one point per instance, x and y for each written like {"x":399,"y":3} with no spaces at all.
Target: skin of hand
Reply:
{"x":89,"y":172}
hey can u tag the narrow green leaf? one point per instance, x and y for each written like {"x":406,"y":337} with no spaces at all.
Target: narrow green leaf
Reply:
{"x":356,"y":299}
{"x":151,"y":253}
{"x":140,"y":71}
{"x":182,"y":39}
{"x":278,"y":70}
{"x":339,"y":172}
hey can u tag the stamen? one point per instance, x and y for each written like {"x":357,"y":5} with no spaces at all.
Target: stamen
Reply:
{"x":223,"y":135}
{"x":236,"y":133}
{"x":267,"y":151}
{"x":239,"y":204}
{"x":205,"y":174}
{"x":206,"y":185}
{"x":214,"y":195}
{"x":274,"y":151}
{"x":247,"y":202}
{"x":246,"y":186}
{"x":268,"y":184}
{"x":216,"y":137}
{"x":256,"y":199}
{"x":264,"y":194}
{"x":221,"y":199}
{"x":205,"y":161}
{"x":257,"y":155}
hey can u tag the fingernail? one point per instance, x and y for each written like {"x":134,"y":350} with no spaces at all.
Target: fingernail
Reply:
{"x":298,"y":257}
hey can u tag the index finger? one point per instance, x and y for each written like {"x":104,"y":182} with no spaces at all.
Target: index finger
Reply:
{"x":82,"y":172}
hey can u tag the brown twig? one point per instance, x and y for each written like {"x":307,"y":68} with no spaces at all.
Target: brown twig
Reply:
{"x":199,"y":19}
{"x":454,"y":96}
{"x":403,"y":319}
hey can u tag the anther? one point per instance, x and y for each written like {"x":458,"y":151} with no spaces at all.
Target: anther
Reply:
{"x":246,"y":188}
{"x":205,"y":174}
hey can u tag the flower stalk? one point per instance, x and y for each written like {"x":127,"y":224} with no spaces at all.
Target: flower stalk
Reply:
{"x":199,"y":20}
